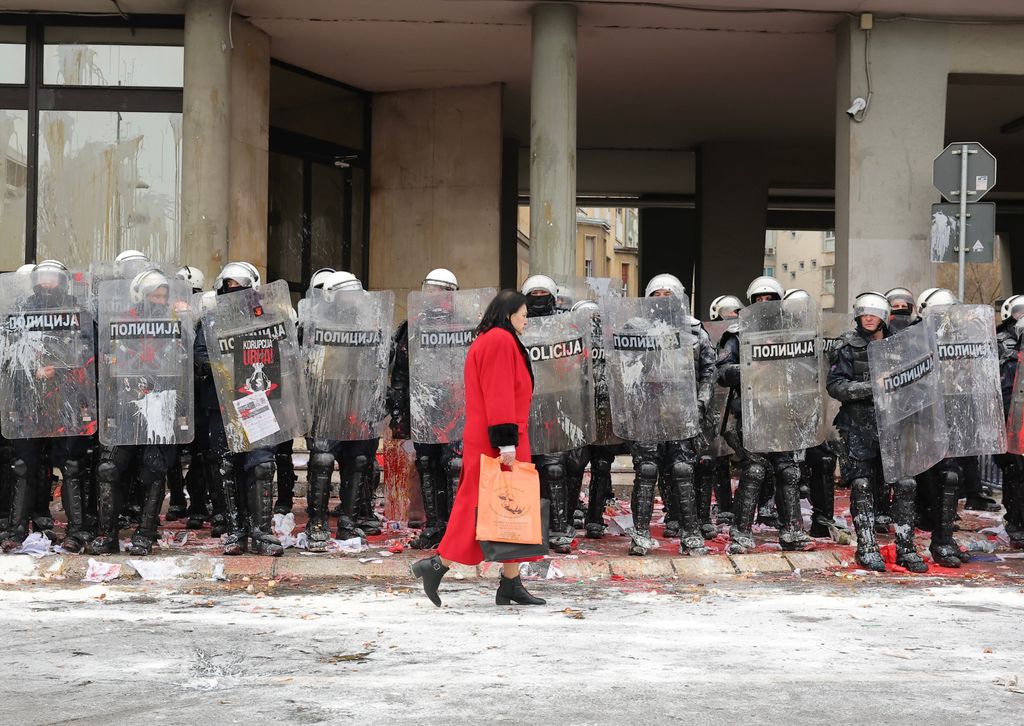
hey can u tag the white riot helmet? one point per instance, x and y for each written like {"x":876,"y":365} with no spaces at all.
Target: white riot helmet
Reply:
{"x":765,"y":285}
{"x":796,"y":293}
{"x":872,"y":303}
{"x":901,"y":293}
{"x":1012,"y":307}
{"x":145,"y":283}
{"x":585,"y":305}
{"x":241,"y":272}
{"x":442,"y":278}
{"x":665,"y":281}
{"x":722,"y":305}
{"x":192,"y":275}
{"x":25,"y":269}
{"x":47,"y":268}
{"x":924,"y":296}
{"x":318,"y":278}
{"x":540,"y":282}
{"x":342,"y":281}
{"x":936,"y":296}
{"x":129,"y":261}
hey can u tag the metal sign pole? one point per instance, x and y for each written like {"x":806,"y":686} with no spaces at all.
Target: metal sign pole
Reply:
{"x":964,"y":151}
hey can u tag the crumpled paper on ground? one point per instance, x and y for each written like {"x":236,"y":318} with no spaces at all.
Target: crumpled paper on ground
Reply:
{"x":101,"y":571}
{"x":36,"y":544}
{"x":283,"y":527}
{"x":157,"y":569}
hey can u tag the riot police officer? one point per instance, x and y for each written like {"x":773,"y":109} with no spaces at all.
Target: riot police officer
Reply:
{"x":438,"y":465}
{"x":756,"y":467}
{"x":849,"y":382}
{"x":1011,"y":312}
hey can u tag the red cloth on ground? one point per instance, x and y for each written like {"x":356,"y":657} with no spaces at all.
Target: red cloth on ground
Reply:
{"x":498,"y":391}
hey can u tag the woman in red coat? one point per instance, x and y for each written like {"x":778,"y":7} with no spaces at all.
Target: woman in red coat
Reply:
{"x":499,"y":386}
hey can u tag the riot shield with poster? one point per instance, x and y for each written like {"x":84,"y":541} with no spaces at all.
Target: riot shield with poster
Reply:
{"x":650,"y":361}
{"x":442,"y":325}
{"x":47,"y":371}
{"x":782,"y":382}
{"x":968,"y":361}
{"x":833,"y":327}
{"x":347,"y":343}
{"x":145,"y":372}
{"x":562,"y":411}
{"x":717,"y":446}
{"x":908,"y":402}
{"x":256,"y":366}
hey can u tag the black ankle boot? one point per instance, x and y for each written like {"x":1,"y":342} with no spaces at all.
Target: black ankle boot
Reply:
{"x":513,"y":591}
{"x":431,"y":570}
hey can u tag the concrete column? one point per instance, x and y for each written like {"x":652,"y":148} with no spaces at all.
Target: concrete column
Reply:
{"x":553,"y":141}
{"x":250,"y":143}
{"x":206,"y":135}
{"x":884,"y":164}
{"x":733,"y":205}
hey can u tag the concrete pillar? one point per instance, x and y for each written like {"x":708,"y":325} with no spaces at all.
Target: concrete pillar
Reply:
{"x":206,"y":135}
{"x":250,"y":143}
{"x":553,"y":141}
{"x":884,"y":164}
{"x":732,"y":196}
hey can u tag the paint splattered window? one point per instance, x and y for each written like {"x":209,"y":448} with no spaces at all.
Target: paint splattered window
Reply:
{"x":90,"y":139}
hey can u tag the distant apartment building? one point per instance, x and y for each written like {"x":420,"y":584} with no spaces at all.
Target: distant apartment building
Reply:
{"x":803,"y":259}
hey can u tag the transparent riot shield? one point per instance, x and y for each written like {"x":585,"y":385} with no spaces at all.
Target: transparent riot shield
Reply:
{"x":572,"y":290}
{"x":256,"y":366}
{"x":562,"y":414}
{"x":347,"y":342}
{"x":1015,"y":415}
{"x":833,"y":327}
{"x":649,"y":347}
{"x":908,"y":402}
{"x":442,"y":324}
{"x":717,"y":446}
{"x":47,"y":365}
{"x":782,"y":383}
{"x":965,"y":339}
{"x":145,"y":371}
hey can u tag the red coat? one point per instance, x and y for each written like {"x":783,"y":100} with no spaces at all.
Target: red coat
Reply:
{"x":498,"y":393}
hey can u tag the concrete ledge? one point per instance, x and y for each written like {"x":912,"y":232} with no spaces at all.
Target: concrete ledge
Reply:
{"x":641,"y":567}
{"x":582,"y":569}
{"x":765,"y":562}
{"x":812,"y":560}
{"x":703,"y":567}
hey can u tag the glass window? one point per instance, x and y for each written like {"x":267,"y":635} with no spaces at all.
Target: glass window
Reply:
{"x":785,"y":267}
{"x":830,"y":241}
{"x":792,"y":276}
{"x":12,"y":55}
{"x":14,"y":172}
{"x":801,"y":264}
{"x":814,"y":264}
{"x":327,"y":225}
{"x":769,"y":272}
{"x":108,"y":181}
{"x":113,"y":57}
{"x":284,"y":234}
{"x":322,"y":110}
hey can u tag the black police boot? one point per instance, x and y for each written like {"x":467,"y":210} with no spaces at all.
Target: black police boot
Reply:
{"x":72,"y":496}
{"x":723,"y":491}
{"x":704,"y":482}
{"x":285,"y":480}
{"x":903,"y":519}
{"x":642,"y":505}
{"x":215,"y":484}
{"x":691,"y":541}
{"x":366,"y":518}
{"x":513,"y":591}
{"x":318,"y":473}
{"x":108,"y":507}
{"x":595,"y":506}
{"x":792,"y":536}
{"x":431,"y":570}
{"x":670,"y":502}
{"x":883,"y":507}
{"x":823,"y":501}
{"x":430,"y":479}
{"x":236,"y":540}
{"x":261,"y":511}
{"x":945,"y":550}
{"x":351,"y":478}
{"x":178,"y":506}
{"x":195,"y":484}
{"x":862,"y":505}
{"x":559,"y":539}
{"x":21,"y":504}
{"x":744,"y":507}
{"x":146,"y":534}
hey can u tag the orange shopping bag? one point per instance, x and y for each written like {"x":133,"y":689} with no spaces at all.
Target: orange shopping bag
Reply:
{"x":509,"y":505}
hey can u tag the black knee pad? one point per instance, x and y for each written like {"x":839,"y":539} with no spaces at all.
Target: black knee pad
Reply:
{"x":647,"y":470}
{"x":264,"y":471}
{"x":424,"y":463}
{"x":455,"y":465}
{"x":756,"y":472}
{"x":600,"y":466}
{"x":905,"y":489}
{"x":861,"y":486}
{"x":106,"y":472}
{"x":322,"y":460}
{"x":72,"y":468}
{"x":20,"y":468}
{"x":681,"y":470}
{"x":789,"y":475}
{"x":554,"y":472}
{"x":361,"y":463}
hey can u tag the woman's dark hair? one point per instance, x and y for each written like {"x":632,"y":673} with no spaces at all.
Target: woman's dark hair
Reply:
{"x":504,"y":304}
